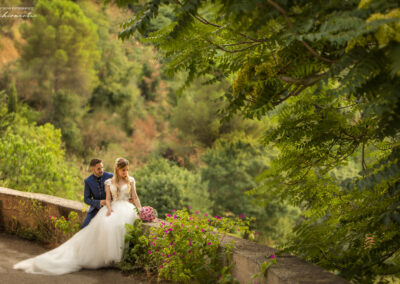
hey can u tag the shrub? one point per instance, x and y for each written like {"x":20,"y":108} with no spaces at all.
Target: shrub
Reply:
{"x":186,"y":247}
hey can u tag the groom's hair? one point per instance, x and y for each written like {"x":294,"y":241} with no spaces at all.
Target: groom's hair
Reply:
{"x":94,"y":162}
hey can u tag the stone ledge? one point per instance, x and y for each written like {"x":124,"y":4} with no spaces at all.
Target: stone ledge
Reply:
{"x":247,"y":256}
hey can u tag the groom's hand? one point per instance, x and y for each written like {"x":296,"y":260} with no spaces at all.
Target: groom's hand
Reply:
{"x":103,"y":202}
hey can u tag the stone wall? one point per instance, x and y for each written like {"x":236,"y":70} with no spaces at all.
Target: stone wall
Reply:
{"x":17,"y":206}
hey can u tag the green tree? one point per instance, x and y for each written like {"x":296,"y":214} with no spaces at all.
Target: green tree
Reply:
{"x":165,"y":186}
{"x":32,"y":160}
{"x":148,"y":83}
{"x":229,"y":171}
{"x":12,"y":99}
{"x":59,"y":53}
{"x":116,"y":89}
{"x":68,"y":111}
{"x":329,"y":74}
{"x":199,"y":123}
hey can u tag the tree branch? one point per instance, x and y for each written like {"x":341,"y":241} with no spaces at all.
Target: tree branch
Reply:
{"x":231,"y":51}
{"x":307,"y":81}
{"x":309,"y":48}
{"x":206,"y":22}
{"x":294,"y":93}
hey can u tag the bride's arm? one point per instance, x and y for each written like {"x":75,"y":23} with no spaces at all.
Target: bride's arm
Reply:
{"x":108,"y":200}
{"x":135,"y":198}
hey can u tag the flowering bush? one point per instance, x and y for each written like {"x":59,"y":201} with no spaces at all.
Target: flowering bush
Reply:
{"x":135,"y":255}
{"x":65,"y":227}
{"x":148,"y":214}
{"x":184,"y":248}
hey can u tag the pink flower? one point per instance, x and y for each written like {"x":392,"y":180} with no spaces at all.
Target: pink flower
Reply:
{"x":183,"y":256}
{"x":168,"y":215}
{"x":160,"y":266}
{"x":153,"y":243}
{"x":174,"y":216}
{"x":241,"y":216}
{"x":197,"y":212}
{"x":189,"y":207}
{"x":149,"y":252}
{"x":206,"y":215}
{"x":272,"y":256}
{"x":189,"y":251}
{"x":203,"y":230}
{"x":209,"y":243}
{"x":174,"y":253}
{"x":173,"y":210}
{"x":170,"y":229}
{"x":238,"y":229}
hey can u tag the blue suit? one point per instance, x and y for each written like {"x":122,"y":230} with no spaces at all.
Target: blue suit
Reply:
{"x":93,"y":194}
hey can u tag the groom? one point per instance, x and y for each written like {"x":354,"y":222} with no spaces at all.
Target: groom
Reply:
{"x":95,"y":193}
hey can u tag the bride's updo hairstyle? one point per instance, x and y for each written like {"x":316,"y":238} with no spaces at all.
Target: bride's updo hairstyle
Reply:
{"x":120,"y":163}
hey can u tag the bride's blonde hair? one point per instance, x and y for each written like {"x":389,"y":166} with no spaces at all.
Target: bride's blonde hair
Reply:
{"x":120,"y":163}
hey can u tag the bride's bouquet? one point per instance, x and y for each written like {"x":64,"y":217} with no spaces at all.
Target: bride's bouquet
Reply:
{"x":147,"y":214}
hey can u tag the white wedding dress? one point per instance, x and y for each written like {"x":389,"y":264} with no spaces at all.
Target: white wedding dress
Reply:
{"x":99,"y":244}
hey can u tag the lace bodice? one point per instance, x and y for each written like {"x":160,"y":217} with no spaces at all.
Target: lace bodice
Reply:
{"x":124,"y":193}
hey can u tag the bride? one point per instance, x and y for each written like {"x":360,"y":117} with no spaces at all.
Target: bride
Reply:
{"x":99,"y":244}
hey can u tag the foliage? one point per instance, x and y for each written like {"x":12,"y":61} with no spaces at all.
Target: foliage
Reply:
{"x":65,"y":226}
{"x":136,"y":252}
{"x":327,"y":74}
{"x":12,"y":99}
{"x":5,"y":118}
{"x":67,"y":115}
{"x":229,"y":171}
{"x":55,"y":73}
{"x":41,"y":228}
{"x":163,"y":185}
{"x":60,"y":52}
{"x":32,"y":160}
{"x":264,"y":267}
{"x":69,"y":225}
{"x":185,"y":248}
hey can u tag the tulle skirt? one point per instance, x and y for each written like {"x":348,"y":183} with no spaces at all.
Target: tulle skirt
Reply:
{"x":99,"y":244}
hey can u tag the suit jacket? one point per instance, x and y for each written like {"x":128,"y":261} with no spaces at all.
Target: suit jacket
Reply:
{"x":92,"y":194}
